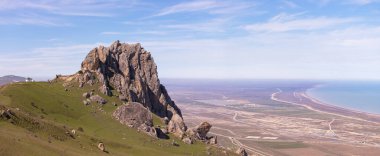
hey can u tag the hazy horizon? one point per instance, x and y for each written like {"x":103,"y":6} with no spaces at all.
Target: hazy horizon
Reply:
{"x":208,"y":39}
{"x":173,"y":79}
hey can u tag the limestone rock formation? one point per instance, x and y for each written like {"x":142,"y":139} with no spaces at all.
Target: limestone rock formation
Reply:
{"x":86,"y":95}
{"x":213,"y":140}
{"x":187,"y":140}
{"x":129,"y":71}
{"x":86,"y":102}
{"x":177,"y":126}
{"x":241,"y":151}
{"x":98,"y":99}
{"x":6,"y":113}
{"x":101,"y":147}
{"x":73,"y":131}
{"x":134,"y":115}
{"x":199,"y":132}
{"x":148,"y":129}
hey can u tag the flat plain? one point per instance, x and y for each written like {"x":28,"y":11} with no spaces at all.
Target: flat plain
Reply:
{"x":275,"y":118}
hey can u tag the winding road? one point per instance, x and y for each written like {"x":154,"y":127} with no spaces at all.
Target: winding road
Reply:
{"x":256,"y":151}
{"x":330,"y":128}
{"x":236,"y":142}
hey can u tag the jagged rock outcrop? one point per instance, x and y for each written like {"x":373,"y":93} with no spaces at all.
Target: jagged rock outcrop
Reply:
{"x":177,"y":126}
{"x":199,"y":132}
{"x":241,"y":151}
{"x":213,"y":140}
{"x":130,"y":71}
{"x":6,"y":113}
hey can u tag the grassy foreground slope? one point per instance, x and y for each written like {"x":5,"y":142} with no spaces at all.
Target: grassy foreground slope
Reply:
{"x":46,"y":112}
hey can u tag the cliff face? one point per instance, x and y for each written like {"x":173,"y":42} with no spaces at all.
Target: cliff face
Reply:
{"x":130,"y":71}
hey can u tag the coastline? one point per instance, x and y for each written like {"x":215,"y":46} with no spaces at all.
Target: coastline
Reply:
{"x":322,"y":107}
{"x":316,"y":100}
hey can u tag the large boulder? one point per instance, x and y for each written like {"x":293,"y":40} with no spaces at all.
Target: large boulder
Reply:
{"x":187,"y":140}
{"x":101,"y":147}
{"x":98,"y":99}
{"x":199,"y":132}
{"x":241,"y":152}
{"x":150,"y":130}
{"x":134,"y":115}
{"x":213,"y":140}
{"x":6,"y":113}
{"x":86,"y":102}
{"x":177,"y":126}
{"x":86,"y":95}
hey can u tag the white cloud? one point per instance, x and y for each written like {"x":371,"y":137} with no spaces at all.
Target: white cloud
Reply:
{"x":321,"y":2}
{"x":350,"y":2}
{"x":145,"y":32}
{"x":50,"y":12}
{"x":45,"y":61}
{"x":233,"y":8}
{"x":356,"y":37}
{"x":215,"y":25}
{"x":284,"y":22}
{"x":189,"y":7}
{"x":32,"y":20}
{"x":82,"y":13}
{"x":211,"y":6}
{"x":362,"y":2}
{"x":110,"y":33}
{"x":19,"y":4}
{"x":63,"y":50}
{"x":96,"y":8}
{"x":290,"y":4}
{"x":150,"y":32}
{"x":346,"y":53}
{"x":285,"y":17}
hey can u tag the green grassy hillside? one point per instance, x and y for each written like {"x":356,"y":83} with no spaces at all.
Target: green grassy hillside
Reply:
{"x":45,"y":112}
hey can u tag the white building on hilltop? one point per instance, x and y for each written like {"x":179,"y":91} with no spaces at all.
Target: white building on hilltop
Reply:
{"x":28,"y":79}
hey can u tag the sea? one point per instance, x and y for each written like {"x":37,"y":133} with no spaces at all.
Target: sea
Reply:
{"x":361,"y":96}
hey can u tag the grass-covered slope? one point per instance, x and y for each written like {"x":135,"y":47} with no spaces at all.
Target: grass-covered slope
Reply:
{"x":44,"y":113}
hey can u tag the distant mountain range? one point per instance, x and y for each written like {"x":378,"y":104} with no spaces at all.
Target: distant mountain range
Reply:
{"x":11,"y":78}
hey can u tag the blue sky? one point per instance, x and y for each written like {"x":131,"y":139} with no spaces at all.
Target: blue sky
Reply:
{"x":247,"y":39}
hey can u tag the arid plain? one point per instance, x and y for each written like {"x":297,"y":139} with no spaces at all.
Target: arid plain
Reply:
{"x":275,"y":118}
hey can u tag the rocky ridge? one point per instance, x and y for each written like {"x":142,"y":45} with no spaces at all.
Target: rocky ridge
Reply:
{"x":129,"y":72}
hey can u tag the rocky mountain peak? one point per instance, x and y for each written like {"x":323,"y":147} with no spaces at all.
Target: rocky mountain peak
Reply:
{"x":129,"y":71}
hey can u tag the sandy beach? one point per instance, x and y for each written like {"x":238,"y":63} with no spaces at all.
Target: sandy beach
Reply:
{"x":314,"y":104}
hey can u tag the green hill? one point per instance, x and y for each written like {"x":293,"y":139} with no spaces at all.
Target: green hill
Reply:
{"x":44,"y":114}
